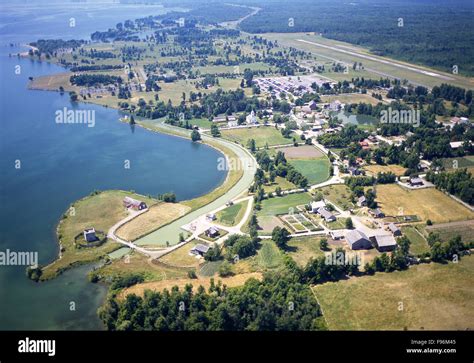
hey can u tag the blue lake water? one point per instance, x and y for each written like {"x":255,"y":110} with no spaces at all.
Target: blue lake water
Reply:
{"x":61,"y":163}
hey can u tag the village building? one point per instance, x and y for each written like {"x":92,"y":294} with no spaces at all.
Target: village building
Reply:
{"x":337,"y":235}
{"x":89,"y":235}
{"x":211,"y":232}
{"x":377,"y":213}
{"x":416,"y":182}
{"x":328,"y":216}
{"x":357,"y":240}
{"x":353,"y":170}
{"x":251,"y":119}
{"x":316,"y":205}
{"x":362,"y":201}
{"x":199,"y":249}
{"x":232,"y":124}
{"x":225,"y":118}
{"x":131,"y":203}
{"x":384,"y":242}
{"x":211,"y":217}
{"x":394,"y":229}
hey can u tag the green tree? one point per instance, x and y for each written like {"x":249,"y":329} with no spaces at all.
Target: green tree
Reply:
{"x":215,"y":132}
{"x":195,"y":136}
{"x":280,"y":236}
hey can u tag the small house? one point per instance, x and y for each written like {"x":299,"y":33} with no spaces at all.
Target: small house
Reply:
{"x":362,"y":201}
{"x":211,"y":232}
{"x":357,"y":240}
{"x":328,"y":216}
{"x":89,"y":235}
{"x":313,"y":105}
{"x":134,"y":204}
{"x":337,"y":235}
{"x":394,"y":229}
{"x":199,"y":249}
{"x":416,"y":182}
{"x":377,"y":213}
{"x":211,"y":217}
{"x":251,"y":119}
{"x":353,"y":170}
{"x":316,"y":205}
{"x":384,"y":242}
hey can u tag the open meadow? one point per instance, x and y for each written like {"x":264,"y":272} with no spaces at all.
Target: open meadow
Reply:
{"x":431,"y":297}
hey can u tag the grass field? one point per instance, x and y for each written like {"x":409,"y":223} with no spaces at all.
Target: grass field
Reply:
{"x":100,"y":211}
{"x":262,"y":135}
{"x":419,"y":244}
{"x":210,"y":268}
{"x":426,"y":203}
{"x":157,"y":216}
{"x":281,"y":205}
{"x":269,"y":255}
{"x":338,"y":194}
{"x":306,"y":152}
{"x":350,"y":98}
{"x":395,"y":169}
{"x":446,"y":231}
{"x":434,"y":296}
{"x":315,"y":170}
{"x":232,"y":281}
{"x":279,"y":182}
{"x":451,"y":164}
{"x":232,"y":215}
{"x":180,"y":257}
{"x":303,"y":248}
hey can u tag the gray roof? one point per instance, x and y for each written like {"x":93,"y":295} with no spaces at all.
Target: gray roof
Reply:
{"x":355,"y":235}
{"x":393,"y":227}
{"x":213,"y":230}
{"x":416,"y":180}
{"x":325,"y":213}
{"x":201,"y":248}
{"x":385,"y":240}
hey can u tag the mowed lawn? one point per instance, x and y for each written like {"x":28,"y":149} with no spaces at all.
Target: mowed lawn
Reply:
{"x":262,"y":135}
{"x":281,"y":205}
{"x":432,"y":296}
{"x":232,"y":215}
{"x":100,"y":211}
{"x":418,"y":244}
{"x":427,"y":203}
{"x":338,"y":194}
{"x":269,"y":255}
{"x":315,"y":170}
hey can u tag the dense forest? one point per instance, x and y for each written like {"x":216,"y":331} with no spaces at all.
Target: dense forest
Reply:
{"x":276,"y":303}
{"x":435,"y":33}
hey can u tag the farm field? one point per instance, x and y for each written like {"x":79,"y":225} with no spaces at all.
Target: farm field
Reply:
{"x":315,"y":170}
{"x":338,"y":194}
{"x":269,"y":255}
{"x":300,"y":152}
{"x":350,"y":98}
{"x":349,"y":304}
{"x":262,"y":135}
{"x":157,"y":216}
{"x":395,"y":169}
{"x":232,"y":215}
{"x":446,"y":231}
{"x":419,"y":244}
{"x":451,"y":164}
{"x":232,"y":281}
{"x":302,"y":249}
{"x":100,"y":211}
{"x":428,"y":203}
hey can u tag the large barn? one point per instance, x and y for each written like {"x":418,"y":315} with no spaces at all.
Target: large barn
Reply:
{"x":357,"y":240}
{"x":134,"y":204}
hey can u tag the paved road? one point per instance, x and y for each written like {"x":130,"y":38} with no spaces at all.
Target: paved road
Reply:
{"x":171,"y":231}
{"x":379,"y":60}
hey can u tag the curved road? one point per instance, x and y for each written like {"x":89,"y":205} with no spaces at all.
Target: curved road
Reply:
{"x":171,"y":231}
